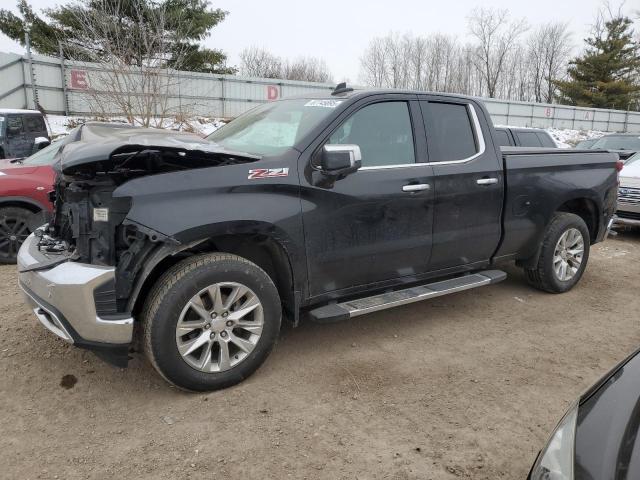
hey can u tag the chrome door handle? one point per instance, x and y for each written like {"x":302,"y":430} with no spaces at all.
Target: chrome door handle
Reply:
{"x":416,"y":188}
{"x":487,"y":181}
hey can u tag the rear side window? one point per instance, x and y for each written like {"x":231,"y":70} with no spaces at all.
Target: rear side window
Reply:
{"x":450,"y":132}
{"x":382,"y":131}
{"x":546,"y":140}
{"x":14,"y":125}
{"x":503,"y":138}
{"x":528,"y":139}
{"x":35,"y":123}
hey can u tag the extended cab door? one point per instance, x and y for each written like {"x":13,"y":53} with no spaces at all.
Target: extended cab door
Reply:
{"x":373,"y":225}
{"x":468,"y":183}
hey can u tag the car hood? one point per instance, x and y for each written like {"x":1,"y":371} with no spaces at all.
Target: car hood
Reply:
{"x":607,"y":443}
{"x":16,"y":168}
{"x":630,"y":175}
{"x":102,"y":153}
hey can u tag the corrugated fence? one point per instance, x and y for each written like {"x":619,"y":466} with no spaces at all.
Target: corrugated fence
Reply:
{"x":65,"y":88}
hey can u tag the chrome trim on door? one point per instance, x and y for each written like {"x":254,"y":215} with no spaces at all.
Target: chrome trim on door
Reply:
{"x":487,"y":181}
{"x":416,"y":188}
{"x":479,"y":137}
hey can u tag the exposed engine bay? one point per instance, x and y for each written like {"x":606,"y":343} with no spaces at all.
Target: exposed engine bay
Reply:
{"x":89,"y":224}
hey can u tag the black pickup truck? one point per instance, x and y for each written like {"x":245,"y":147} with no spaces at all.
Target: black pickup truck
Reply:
{"x":326,"y":207}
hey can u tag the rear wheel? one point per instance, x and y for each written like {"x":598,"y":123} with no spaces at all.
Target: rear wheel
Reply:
{"x":564,"y":255}
{"x":211,"y":321}
{"x":14,"y":229}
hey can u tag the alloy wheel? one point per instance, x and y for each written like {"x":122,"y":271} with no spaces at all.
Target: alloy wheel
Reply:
{"x":568,"y":254}
{"x":219,"y":327}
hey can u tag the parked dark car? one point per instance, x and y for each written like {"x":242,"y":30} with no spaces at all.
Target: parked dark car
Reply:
{"x":524,"y":137}
{"x":22,"y":132}
{"x":597,"y":438}
{"x":586,"y":144}
{"x":325,"y":206}
{"x":624,"y":144}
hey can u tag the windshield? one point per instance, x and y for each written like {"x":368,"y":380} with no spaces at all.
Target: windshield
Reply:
{"x":46,"y":156}
{"x":618,"y":142}
{"x":273,"y":127}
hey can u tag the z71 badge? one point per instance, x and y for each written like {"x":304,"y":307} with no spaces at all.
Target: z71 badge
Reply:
{"x":257,"y":173}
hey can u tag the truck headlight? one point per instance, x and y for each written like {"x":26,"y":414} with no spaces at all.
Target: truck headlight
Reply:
{"x":556,"y":460}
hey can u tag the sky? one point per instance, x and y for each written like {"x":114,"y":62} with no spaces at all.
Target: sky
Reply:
{"x":339,"y":30}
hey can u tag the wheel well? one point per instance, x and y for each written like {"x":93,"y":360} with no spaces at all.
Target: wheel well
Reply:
{"x":264,"y":251}
{"x":20,"y":204}
{"x":585,"y":209}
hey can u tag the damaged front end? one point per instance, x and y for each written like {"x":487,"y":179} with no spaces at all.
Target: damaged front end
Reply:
{"x":81,"y":271}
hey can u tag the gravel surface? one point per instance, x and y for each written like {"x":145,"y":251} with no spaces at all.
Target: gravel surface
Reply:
{"x":464,"y":386}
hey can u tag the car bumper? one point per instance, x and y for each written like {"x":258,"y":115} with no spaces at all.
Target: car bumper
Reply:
{"x":61,"y":294}
{"x":628,"y":214}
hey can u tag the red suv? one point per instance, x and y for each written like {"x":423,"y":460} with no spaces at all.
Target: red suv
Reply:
{"x":25,"y":185}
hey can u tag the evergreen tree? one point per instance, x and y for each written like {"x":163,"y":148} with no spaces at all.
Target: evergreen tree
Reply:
{"x":185,"y":24}
{"x":608,"y":74}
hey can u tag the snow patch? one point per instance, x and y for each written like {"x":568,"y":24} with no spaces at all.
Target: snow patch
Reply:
{"x":61,"y":125}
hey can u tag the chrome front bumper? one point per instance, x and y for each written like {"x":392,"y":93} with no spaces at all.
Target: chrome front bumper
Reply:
{"x":62,"y":297}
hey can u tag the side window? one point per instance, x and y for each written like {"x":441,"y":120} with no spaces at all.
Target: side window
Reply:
{"x":546,"y":140}
{"x":14,"y":125}
{"x":450,"y":132}
{"x":528,"y":139}
{"x":503,"y":138}
{"x":382,"y":131}
{"x":35,"y":123}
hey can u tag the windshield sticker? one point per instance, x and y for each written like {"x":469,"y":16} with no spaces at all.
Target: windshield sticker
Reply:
{"x":323,"y":103}
{"x":258,"y":173}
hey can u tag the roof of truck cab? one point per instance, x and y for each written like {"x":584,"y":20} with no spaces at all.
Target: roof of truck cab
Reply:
{"x":365,"y":92}
{"x":5,"y":111}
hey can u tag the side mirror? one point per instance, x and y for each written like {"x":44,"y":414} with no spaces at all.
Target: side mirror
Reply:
{"x":340,"y":159}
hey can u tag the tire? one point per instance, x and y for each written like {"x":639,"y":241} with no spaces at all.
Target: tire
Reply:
{"x":183,"y":298}
{"x":545,"y":276}
{"x":14,"y":229}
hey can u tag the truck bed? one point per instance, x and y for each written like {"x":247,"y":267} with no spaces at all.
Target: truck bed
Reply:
{"x":540,"y":181}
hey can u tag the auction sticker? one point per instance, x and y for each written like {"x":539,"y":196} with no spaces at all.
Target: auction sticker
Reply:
{"x":325,"y":103}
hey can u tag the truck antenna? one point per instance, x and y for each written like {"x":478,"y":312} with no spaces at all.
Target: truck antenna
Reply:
{"x":341,"y":88}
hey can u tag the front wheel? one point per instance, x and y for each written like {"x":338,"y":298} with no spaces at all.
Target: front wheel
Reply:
{"x":211,"y":321}
{"x":14,"y":229}
{"x":564,"y":255}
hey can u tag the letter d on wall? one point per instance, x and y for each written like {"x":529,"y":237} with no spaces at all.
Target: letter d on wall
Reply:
{"x":272,"y":92}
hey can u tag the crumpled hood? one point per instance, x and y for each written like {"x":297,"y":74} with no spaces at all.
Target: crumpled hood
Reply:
{"x":101,"y":150}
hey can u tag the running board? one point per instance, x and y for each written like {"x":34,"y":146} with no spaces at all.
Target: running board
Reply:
{"x":353,"y":308}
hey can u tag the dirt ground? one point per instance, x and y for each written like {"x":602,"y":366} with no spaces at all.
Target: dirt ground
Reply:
{"x":465,"y":386}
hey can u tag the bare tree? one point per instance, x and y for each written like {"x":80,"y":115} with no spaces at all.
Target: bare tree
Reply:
{"x":425,"y":63}
{"x":257,"y":62}
{"x":496,"y":36}
{"x":308,"y":69}
{"x":549,"y":49}
{"x":129,"y":75}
